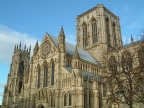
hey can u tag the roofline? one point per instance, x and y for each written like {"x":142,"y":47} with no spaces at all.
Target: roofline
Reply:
{"x":98,"y":5}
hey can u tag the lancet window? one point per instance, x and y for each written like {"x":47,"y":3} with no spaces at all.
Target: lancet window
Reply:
{"x":107,"y":30}
{"x":70,"y":99}
{"x":114,"y":35}
{"x":85,"y":35}
{"x":39,"y":72}
{"x":53,"y":72}
{"x":45,"y":76}
{"x":94,"y":31}
{"x":65,"y":100}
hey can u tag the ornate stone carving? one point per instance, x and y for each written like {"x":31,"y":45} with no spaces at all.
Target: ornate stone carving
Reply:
{"x":46,"y":47}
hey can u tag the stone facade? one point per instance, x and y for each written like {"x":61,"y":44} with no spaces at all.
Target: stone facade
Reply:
{"x":60,"y":75}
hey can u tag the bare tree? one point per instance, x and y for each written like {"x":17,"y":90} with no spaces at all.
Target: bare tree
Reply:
{"x":141,"y":35}
{"x":126,"y":77}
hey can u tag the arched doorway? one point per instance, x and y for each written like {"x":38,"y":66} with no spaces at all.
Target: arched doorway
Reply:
{"x":41,"y":106}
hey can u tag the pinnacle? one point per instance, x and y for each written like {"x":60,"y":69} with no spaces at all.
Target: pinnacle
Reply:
{"x":36,"y":45}
{"x":132,"y":40}
{"x":61,"y":32}
{"x":76,"y":54}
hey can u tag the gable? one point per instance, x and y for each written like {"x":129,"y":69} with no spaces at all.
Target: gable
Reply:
{"x":47,"y":47}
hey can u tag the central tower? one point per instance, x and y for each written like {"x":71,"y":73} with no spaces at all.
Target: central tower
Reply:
{"x":98,"y":31}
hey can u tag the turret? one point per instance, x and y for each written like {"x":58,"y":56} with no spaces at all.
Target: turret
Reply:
{"x":18,"y":74}
{"x":132,"y":40}
{"x":61,"y":40}
{"x":19,"y":49}
{"x":36,"y":48}
{"x":62,"y":47}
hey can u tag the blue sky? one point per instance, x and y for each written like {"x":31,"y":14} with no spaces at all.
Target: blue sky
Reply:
{"x":29,"y":20}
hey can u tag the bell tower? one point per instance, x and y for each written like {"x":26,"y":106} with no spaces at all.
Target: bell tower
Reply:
{"x":98,"y":31}
{"x":18,"y":75}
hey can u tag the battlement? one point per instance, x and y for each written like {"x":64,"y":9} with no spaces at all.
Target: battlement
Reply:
{"x":18,"y":48}
{"x":98,"y":6}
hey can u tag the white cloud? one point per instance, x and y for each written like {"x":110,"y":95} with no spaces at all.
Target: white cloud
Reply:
{"x":8,"y":39}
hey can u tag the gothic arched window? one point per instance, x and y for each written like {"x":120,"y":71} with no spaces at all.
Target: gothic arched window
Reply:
{"x":114,"y":35}
{"x":113,"y":65}
{"x":39,"y":72}
{"x":21,"y":69}
{"x":141,"y":56}
{"x":70,"y":99}
{"x":45,"y":76}
{"x":52,"y":76}
{"x":85,"y":35}
{"x":107,"y":31}
{"x":65,"y":100}
{"x":126,"y":61}
{"x":94,"y":31}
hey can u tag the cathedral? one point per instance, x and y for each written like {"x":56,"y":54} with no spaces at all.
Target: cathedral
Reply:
{"x":61,"y":75}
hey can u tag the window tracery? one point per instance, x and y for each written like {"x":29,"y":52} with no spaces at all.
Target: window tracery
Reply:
{"x":85,"y":35}
{"x":45,"y":76}
{"x":94,"y":31}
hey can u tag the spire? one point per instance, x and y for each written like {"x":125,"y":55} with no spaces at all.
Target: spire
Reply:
{"x":20,"y":45}
{"x":36,"y":45}
{"x":25,"y":47}
{"x":36,"y":48}
{"x":132,"y":40}
{"x":61,"y":34}
{"x":15,"y":47}
{"x":30,"y":49}
{"x":76,"y":53}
